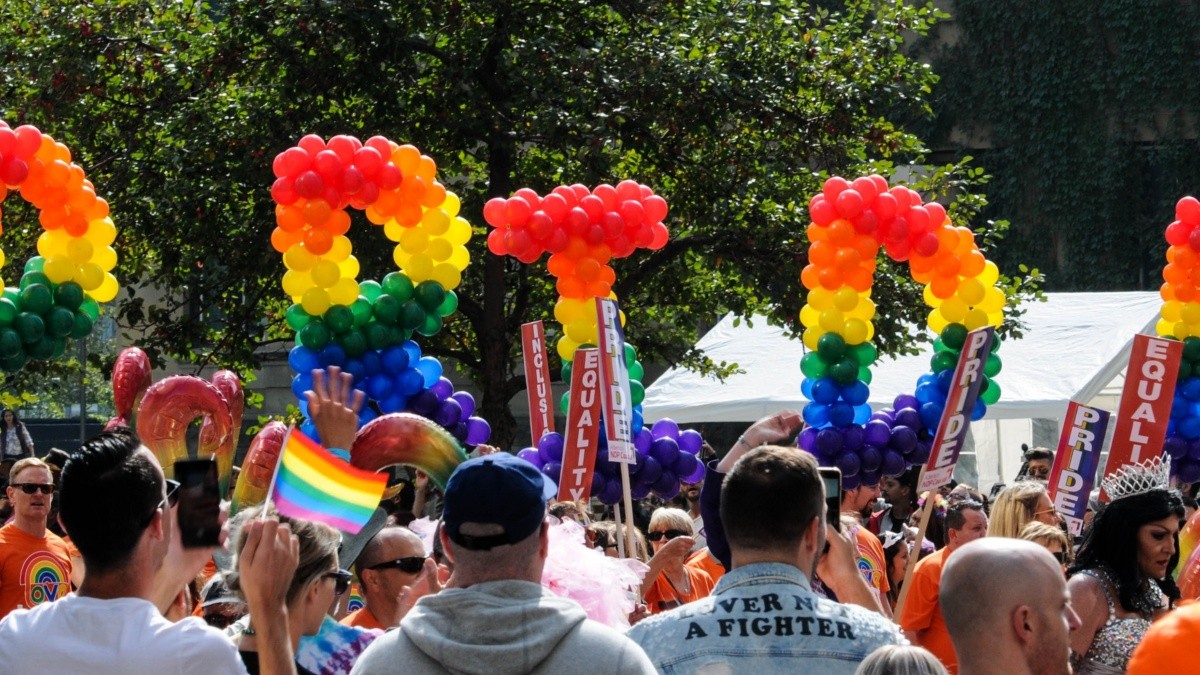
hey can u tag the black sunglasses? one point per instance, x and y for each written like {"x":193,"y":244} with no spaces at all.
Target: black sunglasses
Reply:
{"x":410,"y":565}
{"x":1061,"y":556}
{"x":669,"y":534}
{"x":341,"y":580}
{"x":170,"y":500}
{"x":30,"y":488}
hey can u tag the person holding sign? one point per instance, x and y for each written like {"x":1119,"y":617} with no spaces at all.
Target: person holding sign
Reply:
{"x":1121,"y":580}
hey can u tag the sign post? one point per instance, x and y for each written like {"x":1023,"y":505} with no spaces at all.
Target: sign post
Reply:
{"x":618,"y":403}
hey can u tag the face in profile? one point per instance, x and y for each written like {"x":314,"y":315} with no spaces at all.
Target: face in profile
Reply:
{"x":1156,"y":545}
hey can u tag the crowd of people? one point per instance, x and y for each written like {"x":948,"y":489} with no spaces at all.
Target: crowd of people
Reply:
{"x":745,"y":570}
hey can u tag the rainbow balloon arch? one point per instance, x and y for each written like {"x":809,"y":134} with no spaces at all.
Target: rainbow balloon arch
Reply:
{"x":851,"y":221}
{"x":1180,"y":320}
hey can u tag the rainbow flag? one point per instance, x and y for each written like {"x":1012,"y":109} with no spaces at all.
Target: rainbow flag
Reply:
{"x":313,"y":484}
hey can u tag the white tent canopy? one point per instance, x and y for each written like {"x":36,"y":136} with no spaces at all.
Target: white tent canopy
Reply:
{"x":1075,"y":347}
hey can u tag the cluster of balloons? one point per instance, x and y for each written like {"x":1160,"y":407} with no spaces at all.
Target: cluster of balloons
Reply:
{"x":1180,"y":320}
{"x":666,"y":456}
{"x":851,"y":220}
{"x":60,"y":290}
{"x":393,"y":184}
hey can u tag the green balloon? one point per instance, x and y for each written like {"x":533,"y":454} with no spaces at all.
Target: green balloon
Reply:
{"x":60,"y":321}
{"x":630,"y":355}
{"x":1185,"y":369}
{"x":387,"y":309}
{"x":954,"y":336}
{"x":8,"y":311}
{"x":636,"y":372}
{"x":865,"y":354}
{"x":430,"y":294}
{"x":339,"y":318}
{"x":992,"y":393}
{"x":35,"y":264}
{"x":637,"y":392}
{"x":566,"y":371}
{"x":813,"y":366}
{"x":831,"y":347}
{"x":412,"y":315}
{"x":296,"y":317}
{"x":378,"y":335}
{"x":10,"y":343}
{"x":564,"y":400}
{"x":42,"y":349}
{"x":1191,"y":348}
{"x":449,"y":305}
{"x":60,"y":348}
{"x":13,"y":295}
{"x":864,"y":375}
{"x":34,"y":278}
{"x":69,"y":295}
{"x":995,"y":343}
{"x":943,"y":361}
{"x":431,"y":325}
{"x":361,"y":309}
{"x":398,"y":285}
{"x":354,"y":342}
{"x":314,"y":335}
{"x":30,"y":327}
{"x":397,"y":335}
{"x":992,"y":366}
{"x":81,"y":326}
{"x":844,"y":371}
{"x":36,"y":298}
{"x":15,"y":363}
{"x":91,"y":308}
{"x":370,"y":290}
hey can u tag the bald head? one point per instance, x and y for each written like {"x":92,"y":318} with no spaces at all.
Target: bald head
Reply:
{"x":1006,"y":599}
{"x":390,"y":543}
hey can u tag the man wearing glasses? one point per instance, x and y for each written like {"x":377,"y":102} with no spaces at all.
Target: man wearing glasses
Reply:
{"x":395,"y":572}
{"x":35,"y":564}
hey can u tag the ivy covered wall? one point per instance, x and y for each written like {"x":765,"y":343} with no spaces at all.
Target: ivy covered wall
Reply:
{"x":1087,"y":114}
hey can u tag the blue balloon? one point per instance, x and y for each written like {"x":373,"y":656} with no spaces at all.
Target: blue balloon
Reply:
{"x":856,"y":393}
{"x":806,"y":386}
{"x":303,"y":360}
{"x":841,"y":414}
{"x":931,"y":414}
{"x":301,"y":383}
{"x":332,"y":355}
{"x":371,"y":362}
{"x":397,"y":402}
{"x":1190,"y":428}
{"x":825,"y":391}
{"x":944,"y":380}
{"x":379,"y":386}
{"x":862,"y":414}
{"x":637,"y":422}
{"x":365,"y":415}
{"x":395,"y":359}
{"x":356,"y":368}
{"x":413,"y":350}
{"x":816,"y":414}
{"x":410,"y":382}
{"x":309,"y":429}
{"x":1190,"y":388}
{"x":927,"y":378}
{"x":430,"y":368}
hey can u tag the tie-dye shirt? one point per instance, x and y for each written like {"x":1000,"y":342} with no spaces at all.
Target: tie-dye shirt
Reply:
{"x":335,"y":648}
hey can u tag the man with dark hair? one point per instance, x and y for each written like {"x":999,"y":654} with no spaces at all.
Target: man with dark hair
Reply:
{"x":494,"y":615}
{"x":1038,"y":463}
{"x":35,"y":563}
{"x":902,"y":498}
{"x":763,"y":615}
{"x":921,"y":617}
{"x":120,"y":512}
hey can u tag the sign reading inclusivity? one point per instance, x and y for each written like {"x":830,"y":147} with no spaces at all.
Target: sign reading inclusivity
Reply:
{"x":583,"y":427}
{"x":1145,"y":401}
{"x":1076,"y":461}
{"x":537,"y":380}
{"x":960,"y":402}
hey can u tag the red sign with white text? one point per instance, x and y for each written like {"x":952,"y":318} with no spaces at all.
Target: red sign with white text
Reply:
{"x":537,"y":380}
{"x":1145,"y":401}
{"x":583,"y":427}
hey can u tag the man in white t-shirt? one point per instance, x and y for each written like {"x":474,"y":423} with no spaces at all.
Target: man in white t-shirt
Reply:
{"x":119,"y":511}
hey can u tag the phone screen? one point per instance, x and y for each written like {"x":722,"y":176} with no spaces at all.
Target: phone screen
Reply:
{"x":199,"y":503}
{"x":832,"y":479}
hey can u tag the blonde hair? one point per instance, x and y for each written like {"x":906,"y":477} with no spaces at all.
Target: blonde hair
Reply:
{"x":318,"y":550}
{"x":1014,"y":507}
{"x":901,"y":660}
{"x":674,"y":519}
{"x":1041,"y":533}
{"x":26,"y":463}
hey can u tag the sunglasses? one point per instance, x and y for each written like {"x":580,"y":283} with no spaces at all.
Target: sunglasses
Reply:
{"x":410,"y":565}
{"x":1038,"y":472}
{"x":1062,"y":557}
{"x":341,"y":580}
{"x":669,"y":534}
{"x":30,"y":488}
{"x":170,"y":500}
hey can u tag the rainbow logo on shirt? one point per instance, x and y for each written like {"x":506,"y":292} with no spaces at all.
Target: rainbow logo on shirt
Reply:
{"x":45,"y":578}
{"x":356,"y":601}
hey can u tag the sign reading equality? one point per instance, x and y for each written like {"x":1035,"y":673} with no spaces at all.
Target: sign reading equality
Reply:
{"x":583,"y":427}
{"x":614,"y":376}
{"x":537,"y":380}
{"x":1076,"y":461}
{"x":960,"y":402}
{"x":1141,"y":425}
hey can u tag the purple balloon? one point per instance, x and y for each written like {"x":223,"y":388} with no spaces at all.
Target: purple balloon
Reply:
{"x":425,"y":403}
{"x":550,"y":446}
{"x":478,"y":430}
{"x":807,"y":440}
{"x":443,"y":388}
{"x":904,"y":438}
{"x":665,"y":428}
{"x":612,"y":492}
{"x":637,"y":491}
{"x":667,"y":485}
{"x":532,"y":456}
{"x":639,"y":462}
{"x":870,"y":478}
{"x":853,"y":437}
{"x":908,"y":417}
{"x":552,"y":470}
{"x":449,"y":413}
{"x":849,"y":463}
{"x":870,"y":459}
{"x":642,"y":440}
{"x":685,"y":465}
{"x":459,"y":431}
{"x":893,"y":463}
{"x":695,"y":476}
{"x":906,"y":401}
{"x":650,"y":472}
{"x":603,"y":463}
{"x":465,"y":401}
{"x":829,"y":442}
{"x":849,"y":482}
{"x":920,"y":453}
{"x":599,"y":482}
{"x":665,"y":450}
{"x":1188,"y":471}
{"x":690,"y":441}
{"x":877,"y":433}
{"x":1193,"y":449}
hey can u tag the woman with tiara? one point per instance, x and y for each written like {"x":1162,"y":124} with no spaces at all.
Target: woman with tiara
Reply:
{"x":1121,"y":579}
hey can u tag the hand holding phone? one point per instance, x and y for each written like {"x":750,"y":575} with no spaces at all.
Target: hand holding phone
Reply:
{"x":831,"y":478}
{"x":199,"y":503}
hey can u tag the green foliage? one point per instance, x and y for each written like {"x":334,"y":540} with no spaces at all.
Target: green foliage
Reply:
{"x":734,"y":111}
{"x":1087,"y":112}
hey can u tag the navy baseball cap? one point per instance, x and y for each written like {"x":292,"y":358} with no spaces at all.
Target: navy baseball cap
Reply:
{"x":497,"y":489}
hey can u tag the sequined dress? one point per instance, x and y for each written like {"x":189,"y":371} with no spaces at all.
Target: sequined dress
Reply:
{"x":1114,"y":643}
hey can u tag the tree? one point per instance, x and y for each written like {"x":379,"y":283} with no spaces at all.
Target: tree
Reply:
{"x":734,"y":112}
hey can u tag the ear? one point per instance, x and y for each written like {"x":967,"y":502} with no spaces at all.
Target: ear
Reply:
{"x":445,"y":539}
{"x":544,"y":540}
{"x":1024,"y":624}
{"x":814,"y":534}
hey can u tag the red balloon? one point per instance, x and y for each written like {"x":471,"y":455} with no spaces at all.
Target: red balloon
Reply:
{"x":822,"y":211}
{"x":283,"y":191}
{"x":312,"y":144}
{"x":614,"y":225}
{"x":567,"y":194}
{"x":866,"y":187}
{"x":493,"y":212}
{"x":1194,"y":239}
{"x":833,"y":187}
{"x":886,"y":206}
{"x":352,"y":180}
{"x":344,"y":147}
{"x":866,"y":223}
{"x":540,"y":225}
{"x":593,"y":206}
{"x":632,"y":211}
{"x":897,"y":250}
{"x":532,"y":198}
{"x":898,"y":231}
{"x":8,"y":140}
{"x":576,"y":221}
{"x":849,"y":203}
{"x":557,"y":241}
{"x":594,"y":235}
{"x":629,"y":189}
{"x":369,"y":162}
{"x":367,"y":195}
{"x":328,"y":164}
{"x":555,"y":206}
{"x":656,"y":208}
{"x":1177,"y":233}
{"x":29,"y":139}
{"x":517,"y":211}
{"x":903,"y":201}
{"x":495,"y":242}
{"x":580,"y":191}
{"x":14,"y":171}
{"x":1188,"y":210}
{"x":926,"y":245}
{"x":607,"y":195}
{"x":310,"y":185}
{"x":937,"y":214}
{"x":389,"y":177}
{"x":918,"y":220}
{"x":659,"y":236}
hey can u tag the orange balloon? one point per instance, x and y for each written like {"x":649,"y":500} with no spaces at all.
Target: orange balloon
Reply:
{"x":1185,"y":256}
{"x":847,"y":258}
{"x":966,"y":240}
{"x":822,"y":253}
{"x":944,"y":286}
{"x":290,"y":218}
{"x":947,"y":238}
{"x":861,"y":278}
{"x":866,"y":246}
{"x":817,"y":233}
{"x":841,"y":232}
{"x":972,"y":264}
{"x":434,"y":195}
{"x":1167,"y":292}
{"x":282,"y":240}
{"x":947,"y":266}
{"x":318,"y":242}
{"x":831,"y":278}
{"x":1185,"y":292}
{"x":571,"y":287}
{"x":406,"y":158}
{"x":810,"y":276}
{"x":560,"y":265}
{"x":408,"y":214}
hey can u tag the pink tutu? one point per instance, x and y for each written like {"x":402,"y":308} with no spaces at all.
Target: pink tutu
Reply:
{"x":607,"y":588}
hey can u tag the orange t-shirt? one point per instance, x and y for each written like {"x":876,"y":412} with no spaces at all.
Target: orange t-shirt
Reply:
{"x":33,"y":570}
{"x":662,"y":596}
{"x":871,"y":562}
{"x":362,"y":618}
{"x":704,"y":560}
{"x":922,"y":614}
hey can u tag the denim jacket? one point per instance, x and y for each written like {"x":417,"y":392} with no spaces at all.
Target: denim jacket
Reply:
{"x":763,"y":618}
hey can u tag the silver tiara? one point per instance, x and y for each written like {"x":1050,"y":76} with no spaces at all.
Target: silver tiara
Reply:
{"x":1135,"y":479}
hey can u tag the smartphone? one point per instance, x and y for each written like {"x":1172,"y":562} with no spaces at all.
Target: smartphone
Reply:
{"x":831,"y":477}
{"x":199,"y":503}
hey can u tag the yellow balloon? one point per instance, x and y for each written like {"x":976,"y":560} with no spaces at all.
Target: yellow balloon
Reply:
{"x":79,"y":250}
{"x":976,"y":318}
{"x":845,"y":299}
{"x":452,"y":204}
{"x":821,"y":299}
{"x":993,"y":301}
{"x":855,"y":331}
{"x":59,"y":269}
{"x":89,"y":276}
{"x":107,"y":289}
{"x":870,"y":332}
{"x":1165,"y":328}
{"x":937,"y":322}
{"x":435,"y":222}
{"x":344,"y":292}
{"x":298,"y":258}
{"x":567,"y":310}
{"x":931,"y":299}
{"x":833,"y":321}
{"x":414,"y":240}
{"x":459,"y":233}
{"x":105,"y":257}
{"x":990,"y":274}
{"x":419,"y":268}
{"x":325,"y":274}
{"x":101,"y":232}
{"x":296,"y":283}
{"x":1189,"y":313}
{"x":566,"y":347}
{"x":447,"y":275}
{"x":954,"y":309}
{"x":811,"y":336}
{"x":400,"y":256}
{"x":809,"y":316}
{"x":340,"y":249}
{"x":865,"y":309}
{"x":2,"y":258}
{"x":349,"y":268}
{"x":393,"y":230}
{"x":315,"y":301}
{"x":995,"y":319}
{"x":1192,"y":331}
{"x":439,"y":249}
{"x":971,"y":292}
{"x":52,"y":243}
{"x":459,"y":258}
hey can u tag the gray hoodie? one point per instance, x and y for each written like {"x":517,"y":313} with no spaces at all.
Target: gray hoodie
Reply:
{"x":501,"y":627}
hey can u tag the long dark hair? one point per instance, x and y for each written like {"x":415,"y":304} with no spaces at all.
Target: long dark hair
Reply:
{"x":18,"y":425}
{"x":1111,"y":541}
